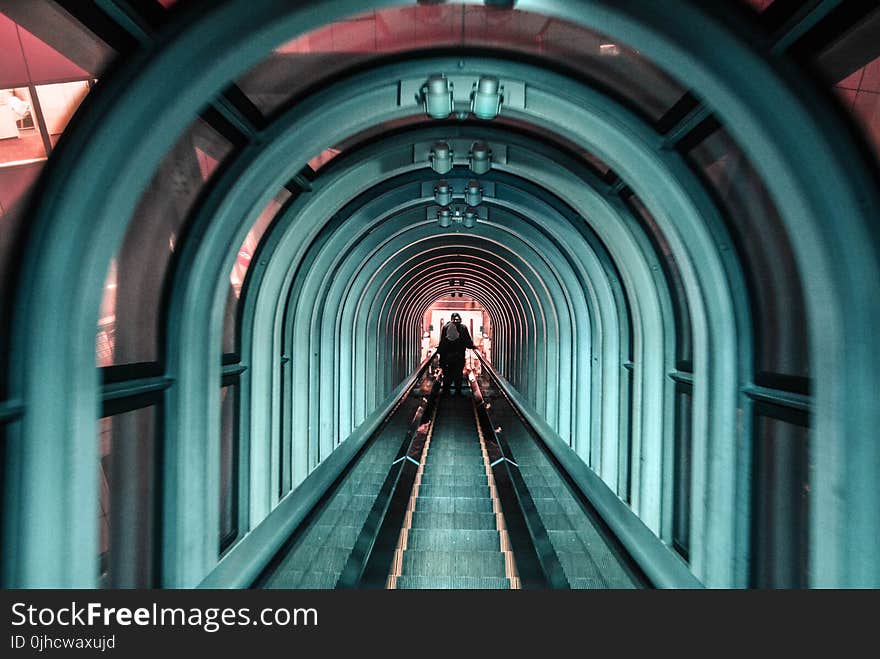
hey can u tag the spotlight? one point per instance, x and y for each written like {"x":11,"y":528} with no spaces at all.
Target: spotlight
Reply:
{"x":444,"y":218}
{"x":473,"y":193}
{"x":437,"y":96}
{"x":480,"y":158}
{"x":443,"y":193}
{"x":441,"y":157}
{"x":486,"y":98}
{"x":469,"y":220}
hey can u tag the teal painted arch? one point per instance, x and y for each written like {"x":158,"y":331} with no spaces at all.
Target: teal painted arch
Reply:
{"x":576,"y":313}
{"x":432,"y":272}
{"x":355,"y":239}
{"x":843,"y":258}
{"x":537,"y":306}
{"x":306,"y":319}
{"x":542,"y":336}
{"x":190,"y":415}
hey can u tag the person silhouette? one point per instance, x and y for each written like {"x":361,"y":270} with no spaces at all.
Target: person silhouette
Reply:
{"x":454,"y":342}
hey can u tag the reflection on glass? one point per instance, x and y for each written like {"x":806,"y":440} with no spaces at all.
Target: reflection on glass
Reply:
{"x":323,"y":158}
{"x":783,"y":485}
{"x":592,"y":160}
{"x":681,"y":310}
{"x":242,"y":263}
{"x":681,"y":513}
{"x":300,"y":63}
{"x":228,"y":466}
{"x":58,"y":103}
{"x":126,"y":492}
{"x":105,"y":339}
{"x":15,"y":184}
{"x":106,"y":433}
{"x":133,"y":289}
{"x":42,"y":43}
{"x":758,"y":5}
{"x":860,"y":92}
{"x":766,"y":254}
{"x":20,"y":139}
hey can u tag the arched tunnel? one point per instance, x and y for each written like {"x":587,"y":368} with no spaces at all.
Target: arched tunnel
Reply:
{"x":659,"y":219}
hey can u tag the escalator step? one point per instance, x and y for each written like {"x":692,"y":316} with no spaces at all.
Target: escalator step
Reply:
{"x":567,"y":540}
{"x":354,"y":502}
{"x":324,"y":559}
{"x":553,"y":506}
{"x":455,"y":540}
{"x":485,"y":521}
{"x":333,"y":536}
{"x":457,"y":491}
{"x":589,"y":584}
{"x":476,"y":469}
{"x":341,"y":517}
{"x":453,"y":564}
{"x":300,"y":579}
{"x":449,"y":504}
{"x":452,"y":583}
{"x":578,"y":565}
{"x":477,"y":480}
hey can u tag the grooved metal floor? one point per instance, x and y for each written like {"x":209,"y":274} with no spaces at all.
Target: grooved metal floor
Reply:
{"x":588,"y":559}
{"x":317,"y":559}
{"x":454,"y":542}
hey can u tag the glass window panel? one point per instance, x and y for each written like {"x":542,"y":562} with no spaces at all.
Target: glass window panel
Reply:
{"x":45,"y":63}
{"x":305,"y":60}
{"x":860,"y":94}
{"x":133,"y":289}
{"x":871,"y":79}
{"x":859,"y":90}
{"x":624,"y":477}
{"x":681,"y":512}
{"x":12,"y":67}
{"x":228,"y":465}
{"x":20,"y":139}
{"x":866,"y":108}
{"x":782,"y":499}
{"x":5,"y":499}
{"x":766,"y":254}
{"x":126,"y":515}
{"x":242,"y":263}
{"x":853,"y":80}
{"x":58,"y":103}
{"x":285,"y":459}
{"x":106,"y":336}
{"x":55,"y":46}
{"x":15,"y":185}
{"x":681,"y":310}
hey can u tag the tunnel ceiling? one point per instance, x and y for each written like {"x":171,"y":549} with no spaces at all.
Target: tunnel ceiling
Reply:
{"x":650,"y":218}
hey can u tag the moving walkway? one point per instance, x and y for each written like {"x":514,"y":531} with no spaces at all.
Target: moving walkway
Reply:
{"x":453,"y":492}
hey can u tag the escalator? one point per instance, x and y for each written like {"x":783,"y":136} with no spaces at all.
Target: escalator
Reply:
{"x":453,"y":492}
{"x":455,"y":536}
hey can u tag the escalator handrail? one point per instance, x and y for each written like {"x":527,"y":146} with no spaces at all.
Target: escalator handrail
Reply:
{"x":536,"y":559}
